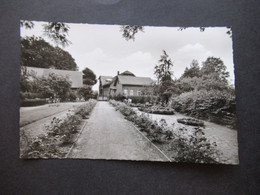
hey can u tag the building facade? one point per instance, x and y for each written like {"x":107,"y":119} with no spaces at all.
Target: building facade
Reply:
{"x":126,"y":84}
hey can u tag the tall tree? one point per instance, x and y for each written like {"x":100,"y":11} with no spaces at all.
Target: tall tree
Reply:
{"x":216,"y":66}
{"x":163,"y":70}
{"x":164,"y":73}
{"x":193,"y":71}
{"x":89,"y":77}
{"x":36,"y":52}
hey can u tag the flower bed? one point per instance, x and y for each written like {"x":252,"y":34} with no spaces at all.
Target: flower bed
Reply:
{"x":157,"y":110}
{"x":191,"y":121}
{"x":179,"y":144}
{"x":60,"y":134}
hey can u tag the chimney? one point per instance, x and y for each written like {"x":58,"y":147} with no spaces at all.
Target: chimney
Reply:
{"x":117,"y":72}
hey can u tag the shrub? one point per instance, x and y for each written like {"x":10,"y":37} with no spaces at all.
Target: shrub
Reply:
{"x":86,"y":108}
{"x":184,"y":145}
{"x":216,"y":106}
{"x":32,"y":102}
{"x":64,"y":129}
{"x":157,"y":110}
{"x":193,"y":146}
{"x":191,"y":121}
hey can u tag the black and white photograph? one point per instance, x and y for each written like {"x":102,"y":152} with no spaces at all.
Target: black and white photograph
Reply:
{"x":127,"y":92}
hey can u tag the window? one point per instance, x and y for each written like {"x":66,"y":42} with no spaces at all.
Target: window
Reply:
{"x":125,"y":92}
{"x":139,"y":93}
{"x":131,"y":92}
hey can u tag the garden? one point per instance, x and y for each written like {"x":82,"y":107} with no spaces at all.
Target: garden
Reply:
{"x":182,"y":143}
{"x":59,"y":134}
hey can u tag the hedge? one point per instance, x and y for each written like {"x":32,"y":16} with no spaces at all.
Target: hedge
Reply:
{"x":32,"y":102}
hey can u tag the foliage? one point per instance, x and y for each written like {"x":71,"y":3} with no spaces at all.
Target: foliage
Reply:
{"x":214,"y":105}
{"x":25,"y":84}
{"x":86,"y":92}
{"x":32,"y":102}
{"x":85,"y":109}
{"x":164,"y":74}
{"x":36,"y":52}
{"x":193,"y":71}
{"x":163,"y":70}
{"x":142,"y":99}
{"x":118,"y":97}
{"x":89,"y":77}
{"x":53,"y":85}
{"x":215,"y":66}
{"x":191,"y":121}
{"x":56,"y":31}
{"x":184,"y":145}
{"x":157,"y":110}
{"x":129,"y":31}
{"x":58,"y":133}
{"x":193,"y":146}
{"x":27,"y":24}
{"x":202,"y":29}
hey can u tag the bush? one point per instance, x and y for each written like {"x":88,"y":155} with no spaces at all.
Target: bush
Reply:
{"x":32,"y":102}
{"x":59,"y":132}
{"x":193,"y":146}
{"x":216,"y":106}
{"x":191,"y":122}
{"x":142,"y":99}
{"x":85,"y":109}
{"x":64,"y":129}
{"x":157,"y":110}
{"x":184,"y":145}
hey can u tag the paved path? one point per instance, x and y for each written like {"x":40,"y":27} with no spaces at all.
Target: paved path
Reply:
{"x":108,"y":135}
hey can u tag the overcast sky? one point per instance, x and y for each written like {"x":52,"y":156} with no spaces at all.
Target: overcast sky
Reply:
{"x":103,"y":49}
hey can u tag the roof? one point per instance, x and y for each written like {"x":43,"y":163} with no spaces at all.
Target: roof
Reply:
{"x":74,"y":76}
{"x":105,"y":80}
{"x":127,"y":73}
{"x":130,"y":80}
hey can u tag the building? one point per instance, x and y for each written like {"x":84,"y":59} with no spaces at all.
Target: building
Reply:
{"x":75,"y":77}
{"x":126,"y":84}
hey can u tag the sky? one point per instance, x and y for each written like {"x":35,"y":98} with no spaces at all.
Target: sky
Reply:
{"x":103,"y":49}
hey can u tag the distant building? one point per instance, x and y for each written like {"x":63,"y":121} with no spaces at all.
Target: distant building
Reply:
{"x":126,"y":84}
{"x":76,"y":77}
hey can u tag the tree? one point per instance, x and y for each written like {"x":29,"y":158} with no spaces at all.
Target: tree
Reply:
{"x":56,"y":31}
{"x":86,"y":92}
{"x":164,"y":74}
{"x":53,"y":85}
{"x":89,"y":77}
{"x":215,"y":66}
{"x":129,"y":31}
{"x":36,"y":52}
{"x":193,"y":71}
{"x":163,"y":70}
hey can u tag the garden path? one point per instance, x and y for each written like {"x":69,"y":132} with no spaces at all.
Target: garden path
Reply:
{"x":108,"y":135}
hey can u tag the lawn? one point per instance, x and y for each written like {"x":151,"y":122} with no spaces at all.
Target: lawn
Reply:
{"x":32,"y":114}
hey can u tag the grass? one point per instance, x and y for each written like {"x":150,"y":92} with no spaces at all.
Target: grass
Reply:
{"x":59,"y":135}
{"x":32,"y":114}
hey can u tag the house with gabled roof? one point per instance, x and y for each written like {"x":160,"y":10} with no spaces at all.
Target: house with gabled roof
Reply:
{"x":126,"y":84}
{"x":75,"y":77}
